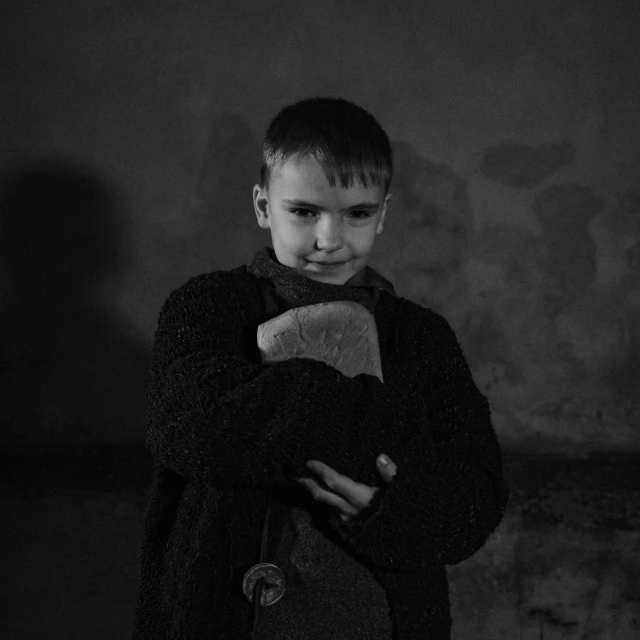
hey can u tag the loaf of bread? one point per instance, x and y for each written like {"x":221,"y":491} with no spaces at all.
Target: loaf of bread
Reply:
{"x":342,"y":334}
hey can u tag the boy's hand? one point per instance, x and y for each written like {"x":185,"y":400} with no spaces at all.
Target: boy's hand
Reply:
{"x":348,"y":497}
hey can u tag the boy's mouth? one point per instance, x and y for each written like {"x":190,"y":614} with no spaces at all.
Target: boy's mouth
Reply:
{"x":327,"y":265}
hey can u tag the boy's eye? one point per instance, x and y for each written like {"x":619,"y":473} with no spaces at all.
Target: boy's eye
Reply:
{"x":302,"y":213}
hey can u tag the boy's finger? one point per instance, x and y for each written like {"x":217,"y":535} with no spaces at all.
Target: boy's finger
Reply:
{"x":329,"y":476}
{"x":327,"y":497}
{"x":354,"y":492}
{"x":387,"y":468}
{"x":334,"y":480}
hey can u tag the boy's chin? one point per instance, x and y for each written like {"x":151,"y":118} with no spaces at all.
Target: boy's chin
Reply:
{"x":337,"y":278}
{"x":325,"y":277}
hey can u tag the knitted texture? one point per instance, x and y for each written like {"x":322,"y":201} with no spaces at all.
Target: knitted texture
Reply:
{"x":225,"y":429}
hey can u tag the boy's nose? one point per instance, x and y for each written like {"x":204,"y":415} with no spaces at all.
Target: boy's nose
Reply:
{"x":329,"y":249}
{"x":329,"y":242}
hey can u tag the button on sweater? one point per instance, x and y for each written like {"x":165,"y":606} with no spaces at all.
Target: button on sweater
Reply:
{"x":226,"y":431}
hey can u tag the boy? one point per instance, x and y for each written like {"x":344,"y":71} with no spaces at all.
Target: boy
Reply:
{"x":349,"y":556}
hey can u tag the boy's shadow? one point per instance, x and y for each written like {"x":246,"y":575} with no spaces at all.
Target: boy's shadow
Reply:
{"x":70,"y":370}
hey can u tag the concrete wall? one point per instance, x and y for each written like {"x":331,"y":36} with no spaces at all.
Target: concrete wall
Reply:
{"x":130,"y":144}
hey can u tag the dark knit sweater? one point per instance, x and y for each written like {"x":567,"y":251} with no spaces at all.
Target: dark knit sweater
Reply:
{"x":226,"y":431}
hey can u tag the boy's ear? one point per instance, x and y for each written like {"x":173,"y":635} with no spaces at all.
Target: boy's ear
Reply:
{"x":384,"y":213}
{"x":261,"y":206}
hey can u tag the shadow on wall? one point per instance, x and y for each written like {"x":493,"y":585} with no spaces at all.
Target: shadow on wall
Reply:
{"x":221,"y":206}
{"x":434,"y":230}
{"x":69,"y":374}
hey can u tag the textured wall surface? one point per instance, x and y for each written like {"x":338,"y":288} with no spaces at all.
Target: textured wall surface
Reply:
{"x":131,"y":135}
{"x":129,"y":143}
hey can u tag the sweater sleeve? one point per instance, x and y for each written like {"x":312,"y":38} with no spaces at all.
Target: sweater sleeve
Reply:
{"x":216,"y":416}
{"x":447,"y":497}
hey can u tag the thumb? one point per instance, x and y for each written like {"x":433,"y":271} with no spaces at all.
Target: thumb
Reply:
{"x":386,"y":467}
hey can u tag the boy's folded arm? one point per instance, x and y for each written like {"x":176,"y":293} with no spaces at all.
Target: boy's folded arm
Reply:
{"x":214,"y":415}
{"x":450,"y":494}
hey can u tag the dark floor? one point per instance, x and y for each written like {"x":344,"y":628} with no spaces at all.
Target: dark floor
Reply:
{"x":564,"y":563}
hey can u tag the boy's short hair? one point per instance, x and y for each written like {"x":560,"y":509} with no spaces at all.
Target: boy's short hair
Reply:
{"x":346,"y":140}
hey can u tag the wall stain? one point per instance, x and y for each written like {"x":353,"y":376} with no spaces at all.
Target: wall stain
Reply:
{"x":533,"y":321}
{"x":524,"y":166}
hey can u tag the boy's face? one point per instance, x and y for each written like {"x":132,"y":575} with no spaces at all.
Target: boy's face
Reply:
{"x":313,"y":222}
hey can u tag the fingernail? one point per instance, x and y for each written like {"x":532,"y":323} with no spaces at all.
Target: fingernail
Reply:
{"x":383,"y":460}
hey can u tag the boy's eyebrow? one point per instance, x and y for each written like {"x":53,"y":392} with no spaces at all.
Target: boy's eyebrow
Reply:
{"x":310,"y":205}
